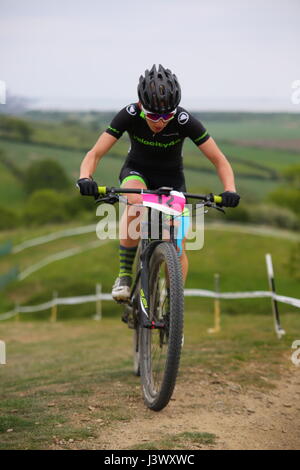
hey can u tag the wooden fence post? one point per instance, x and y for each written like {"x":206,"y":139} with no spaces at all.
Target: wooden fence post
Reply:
{"x":217,"y":307}
{"x":98,"y":315}
{"x":53,"y":317}
{"x":17,"y":316}
{"x":2,"y":353}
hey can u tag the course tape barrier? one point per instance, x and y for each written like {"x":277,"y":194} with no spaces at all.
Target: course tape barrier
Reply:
{"x":59,"y":256}
{"x":54,"y":236}
{"x":187,"y":292}
{"x":9,"y":276}
{"x":250,"y":229}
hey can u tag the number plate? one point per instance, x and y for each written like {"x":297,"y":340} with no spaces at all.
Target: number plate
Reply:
{"x":171,"y":205}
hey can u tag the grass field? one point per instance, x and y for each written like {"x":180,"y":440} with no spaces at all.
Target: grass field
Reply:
{"x":238,"y":257}
{"x":69,"y":384}
{"x":11,"y":192}
{"x":246,"y":140}
{"x":199,"y":172}
{"x":220,"y":124}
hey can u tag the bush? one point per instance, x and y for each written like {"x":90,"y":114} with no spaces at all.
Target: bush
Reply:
{"x":15,"y":128}
{"x":45,"y":174}
{"x":77,"y":204}
{"x":45,"y":207}
{"x":237,"y":214}
{"x":281,"y":217}
{"x":287,"y":197}
{"x":294,"y":261}
{"x":8,"y":219}
{"x":292,"y":175}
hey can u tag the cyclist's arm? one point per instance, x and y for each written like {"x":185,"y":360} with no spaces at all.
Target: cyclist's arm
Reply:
{"x":223,"y":167}
{"x":91,"y":160}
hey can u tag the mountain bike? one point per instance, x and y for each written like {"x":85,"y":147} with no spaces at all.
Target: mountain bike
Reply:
{"x":155,"y":310}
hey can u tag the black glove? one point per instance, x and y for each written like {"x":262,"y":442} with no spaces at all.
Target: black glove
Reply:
{"x":88,"y":187}
{"x":230,"y":199}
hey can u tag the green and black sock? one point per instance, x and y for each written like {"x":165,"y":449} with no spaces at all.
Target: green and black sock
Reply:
{"x":127,"y":256}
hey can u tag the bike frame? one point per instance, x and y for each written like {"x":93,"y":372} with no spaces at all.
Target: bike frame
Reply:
{"x":147,"y":247}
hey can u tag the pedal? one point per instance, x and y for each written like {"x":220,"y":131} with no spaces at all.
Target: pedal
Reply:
{"x":124,"y":317}
{"x":122,"y":302}
{"x":127,"y":317}
{"x":154,"y":325}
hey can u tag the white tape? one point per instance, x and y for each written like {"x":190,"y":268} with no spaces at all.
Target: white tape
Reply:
{"x":36,"y":308}
{"x":287,"y":300}
{"x":199,"y":293}
{"x":8,"y":315}
{"x":226,"y":295}
{"x":59,"y":256}
{"x":54,"y":236}
{"x":256,"y":230}
{"x":187,"y":292}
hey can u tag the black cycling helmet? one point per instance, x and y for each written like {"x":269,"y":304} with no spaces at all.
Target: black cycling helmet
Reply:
{"x":159,"y":91}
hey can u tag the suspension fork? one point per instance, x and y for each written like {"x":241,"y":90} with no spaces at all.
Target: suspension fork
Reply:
{"x":144,"y":297}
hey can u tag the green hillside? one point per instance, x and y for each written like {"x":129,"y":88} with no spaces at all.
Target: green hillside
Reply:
{"x":250,"y":141}
{"x":238,"y":257}
{"x":68,"y":384}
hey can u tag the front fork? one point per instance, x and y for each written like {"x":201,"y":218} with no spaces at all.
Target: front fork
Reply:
{"x":144,"y":297}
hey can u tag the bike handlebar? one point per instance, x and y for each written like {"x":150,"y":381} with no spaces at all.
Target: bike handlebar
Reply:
{"x":104,"y":190}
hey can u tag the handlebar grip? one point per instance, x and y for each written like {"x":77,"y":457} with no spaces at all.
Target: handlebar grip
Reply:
{"x":102,"y":190}
{"x":218,"y":199}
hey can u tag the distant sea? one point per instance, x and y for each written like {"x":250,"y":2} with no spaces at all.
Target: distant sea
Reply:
{"x":196,"y":104}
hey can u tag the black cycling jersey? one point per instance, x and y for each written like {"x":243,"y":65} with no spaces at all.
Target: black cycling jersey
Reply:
{"x":156,"y":152}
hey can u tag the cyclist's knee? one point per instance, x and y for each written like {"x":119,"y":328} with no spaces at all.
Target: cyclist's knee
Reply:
{"x":134,"y":184}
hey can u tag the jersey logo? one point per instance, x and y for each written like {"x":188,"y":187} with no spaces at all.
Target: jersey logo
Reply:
{"x":131,"y":110}
{"x":183,"y":118}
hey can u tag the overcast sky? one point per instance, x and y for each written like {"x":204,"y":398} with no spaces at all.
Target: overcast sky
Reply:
{"x":233,"y":54}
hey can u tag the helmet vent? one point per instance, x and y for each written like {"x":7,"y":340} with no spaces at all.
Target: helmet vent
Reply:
{"x":159,"y":91}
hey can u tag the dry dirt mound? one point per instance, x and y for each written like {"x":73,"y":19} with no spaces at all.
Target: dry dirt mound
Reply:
{"x":239,"y":419}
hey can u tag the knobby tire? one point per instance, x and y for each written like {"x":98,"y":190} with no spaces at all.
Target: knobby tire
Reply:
{"x":158,"y":385}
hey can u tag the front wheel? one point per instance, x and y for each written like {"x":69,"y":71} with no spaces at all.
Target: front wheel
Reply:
{"x":160,"y":348}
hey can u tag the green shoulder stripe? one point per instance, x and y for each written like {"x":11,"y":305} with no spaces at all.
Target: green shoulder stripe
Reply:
{"x":201,"y":136}
{"x":114,"y":130}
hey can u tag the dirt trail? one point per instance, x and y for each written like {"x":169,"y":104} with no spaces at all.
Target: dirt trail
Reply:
{"x":251,"y":420}
{"x":262,"y":415}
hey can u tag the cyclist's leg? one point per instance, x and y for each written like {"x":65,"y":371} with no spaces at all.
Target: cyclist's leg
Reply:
{"x":183,"y":228}
{"x":128,"y":242}
{"x":184,"y":262}
{"x":128,"y":238}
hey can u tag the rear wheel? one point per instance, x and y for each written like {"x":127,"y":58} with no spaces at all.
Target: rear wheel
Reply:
{"x":136,"y":351}
{"x":160,"y":348}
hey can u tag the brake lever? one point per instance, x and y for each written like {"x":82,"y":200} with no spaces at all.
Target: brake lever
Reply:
{"x":112,"y":199}
{"x":214,"y":206}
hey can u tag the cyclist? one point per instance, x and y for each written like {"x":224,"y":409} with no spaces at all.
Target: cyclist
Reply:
{"x":157,"y":127}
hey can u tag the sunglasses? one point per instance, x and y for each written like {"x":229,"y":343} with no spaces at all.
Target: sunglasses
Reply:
{"x":155,"y":117}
